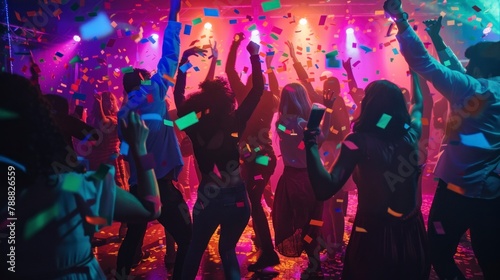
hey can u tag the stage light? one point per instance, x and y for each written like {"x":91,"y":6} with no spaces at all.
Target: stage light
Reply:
{"x":255,"y":36}
{"x":303,"y":21}
{"x":208,"y":26}
{"x":77,"y":38}
{"x":155,"y":36}
{"x":349,"y":30}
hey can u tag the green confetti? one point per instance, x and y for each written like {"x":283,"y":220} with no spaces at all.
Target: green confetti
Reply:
{"x":146,"y":82}
{"x":274,"y":37}
{"x":129,"y":69}
{"x":446,"y":63}
{"x":262,"y":160}
{"x":186,"y":121}
{"x":281,"y":127}
{"x":168,"y":123}
{"x":271,"y":5}
{"x":38,"y":222}
{"x":332,"y":54}
{"x":219,"y":62}
{"x":384,"y":120}
{"x":196,"y":21}
{"x":252,"y":27}
{"x":72,"y":182}
{"x":8,"y":115}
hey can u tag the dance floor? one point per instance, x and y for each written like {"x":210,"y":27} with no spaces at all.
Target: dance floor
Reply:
{"x":211,"y":267}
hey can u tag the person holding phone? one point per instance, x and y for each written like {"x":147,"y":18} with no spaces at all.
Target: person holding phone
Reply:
{"x":296,"y":212}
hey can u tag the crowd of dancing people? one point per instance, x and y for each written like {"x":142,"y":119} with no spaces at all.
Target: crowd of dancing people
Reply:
{"x":77,"y":174}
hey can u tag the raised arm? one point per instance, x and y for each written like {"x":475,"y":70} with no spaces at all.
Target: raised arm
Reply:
{"x":356,"y":93}
{"x":454,"y":85}
{"x":180,"y":84}
{"x":273,"y":82}
{"x":445,"y":54}
{"x":302,"y":74}
{"x":147,"y":205}
{"x":237,"y":86}
{"x":325,"y":184}
{"x":215,"y":55}
{"x":247,"y":106}
{"x":170,"y":48}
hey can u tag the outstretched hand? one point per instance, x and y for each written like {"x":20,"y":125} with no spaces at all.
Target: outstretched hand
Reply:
{"x":347,"y":63}
{"x":269,"y":59}
{"x":328,"y":98}
{"x":433,"y":26}
{"x":135,"y":132}
{"x":98,"y":97}
{"x":196,"y":51}
{"x":175,"y":8}
{"x":253,"y":48}
{"x":291,"y":50}
{"x":215,"y":51}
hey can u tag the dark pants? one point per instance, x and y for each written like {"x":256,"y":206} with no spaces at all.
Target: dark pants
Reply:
{"x":457,"y":213}
{"x":227,"y":207}
{"x":174,"y":218}
{"x":255,"y":188}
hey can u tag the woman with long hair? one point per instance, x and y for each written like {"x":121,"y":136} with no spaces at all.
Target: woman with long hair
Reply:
{"x":388,"y":240}
{"x":222,"y":198}
{"x":296,"y":212}
{"x":58,"y":209}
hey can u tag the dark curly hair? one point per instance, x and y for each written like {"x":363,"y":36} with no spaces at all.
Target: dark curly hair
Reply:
{"x":132,"y":80}
{"x":31,"y":138}
{"x":215,"y":96}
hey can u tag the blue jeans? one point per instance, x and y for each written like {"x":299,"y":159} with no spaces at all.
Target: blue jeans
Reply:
{"x":228,"y":207}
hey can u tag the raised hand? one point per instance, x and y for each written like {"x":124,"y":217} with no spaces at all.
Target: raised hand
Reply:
{"x":393,"y":7}
{"x":175,"y":7}
{"x":253,"y":48}
{"x":215,"y":51}
{"x":135,"y":132}
{"x":98,"y":97}
{"x":269,"y":59}
{"x":291,"y":50}
{"x":238,"y":37}
{"x":196,"y":51}
{"x":328,"y":98}
{"x":433,"y":26}
{"x":347,"y":64}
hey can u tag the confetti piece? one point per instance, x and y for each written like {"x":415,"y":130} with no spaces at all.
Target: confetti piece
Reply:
{"x":316,"y":223}
{"x":187,"y":121}
{"x":187,"y":29}
{"x":450,"y":22}
{"x":38,"y":222}
{"x":96,"y":28}
{"x":168,"y":123}
{"x":439,"y":228}
{"x":101,"y":172}
{"x":455,"y":188}
{"x":350,"y":145}
{"x":356,"y":63}
{"x":233,"y":21}
{"x":8,"y":115}
{"x":58,"y":54}
{"x":185,"y":67}
{"x":211,"y":12}
{"x":151,"y":117}
{"x":475,"y":140}
{"x":360,"y":229}
{"x":97,"y":221}
{"x":276,"y":30}
{"x":129,"y":69}
{"x":72,"y":182}
{"x":384,"y":120}
{"x":79,"y":96}
{"x":395,"y":51}
{"x":379,"y":12}
{"x":322,"y":20}
{"x":262,"y":160}
{"x":301,"y":145}
{"x":281,"y":127}
{"x":394,"y":213}
{"x":271,"y":5}
{"x":124,"y":147}
{"x":234,"y":134}
{"x":258,"y":177}
{"x":476,"y":8}
{"x":196,"y":21}
{"x":365,"y":48}
{"x":308,"y":239}
{"x":252,"y":27}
